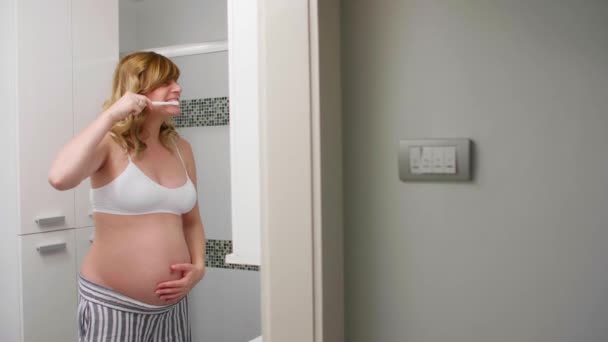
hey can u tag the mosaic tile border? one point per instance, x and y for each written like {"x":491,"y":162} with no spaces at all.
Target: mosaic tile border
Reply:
{"x":212,"y":111}
{"x":215,"y":256}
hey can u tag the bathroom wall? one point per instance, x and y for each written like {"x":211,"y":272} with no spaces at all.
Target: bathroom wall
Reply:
{"x":225,"y":306}
{"x":152,"y":23}
{"x":519,"y":253}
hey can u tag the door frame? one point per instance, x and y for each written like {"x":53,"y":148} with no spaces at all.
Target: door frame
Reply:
{"x":301,"y":270}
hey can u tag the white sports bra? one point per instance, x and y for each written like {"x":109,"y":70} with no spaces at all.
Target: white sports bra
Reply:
{"x":134,"y":193}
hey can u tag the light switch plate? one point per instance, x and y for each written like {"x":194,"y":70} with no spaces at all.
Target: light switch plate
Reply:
{"x":463,"y":160}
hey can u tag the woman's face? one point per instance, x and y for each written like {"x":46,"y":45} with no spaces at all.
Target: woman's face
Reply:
{"x":170,"y":91}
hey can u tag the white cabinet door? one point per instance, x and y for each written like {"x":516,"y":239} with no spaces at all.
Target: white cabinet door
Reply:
{"x":84,"y":240}
{"x":49,"y":292}
{"x":95,"y":48}
{"x":44,"y":75}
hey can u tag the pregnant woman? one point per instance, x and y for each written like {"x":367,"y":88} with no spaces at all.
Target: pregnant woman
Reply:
{"x":149,"y":243}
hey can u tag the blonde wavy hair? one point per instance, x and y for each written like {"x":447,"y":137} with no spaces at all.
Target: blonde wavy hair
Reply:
{"x":141,"y":72}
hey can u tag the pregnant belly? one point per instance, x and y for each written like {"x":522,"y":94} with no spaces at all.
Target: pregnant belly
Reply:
{"x":134,"y":263}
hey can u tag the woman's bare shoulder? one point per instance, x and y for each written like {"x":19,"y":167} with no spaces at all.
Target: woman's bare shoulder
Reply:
{"x":115,"y":160}
{"x":112,"y":154}
{"x":184,"y":146}
{"x":110,"y":146}
{"x":185,"y":150}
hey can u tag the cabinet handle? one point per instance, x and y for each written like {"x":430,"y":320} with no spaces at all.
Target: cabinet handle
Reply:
{"x":52,"y":220}
{"x":91,"y":238}
{"x":51,"y":247}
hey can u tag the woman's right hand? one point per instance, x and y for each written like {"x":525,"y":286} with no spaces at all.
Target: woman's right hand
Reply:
{"x":128,"y":104}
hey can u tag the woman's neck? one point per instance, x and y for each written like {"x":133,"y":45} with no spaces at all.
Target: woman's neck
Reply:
{"x":151,"y":128}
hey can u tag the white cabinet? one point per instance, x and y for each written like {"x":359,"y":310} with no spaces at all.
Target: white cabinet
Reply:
{"x":57,"y":62}
{"x":95,"y":54}
{"x":44,"y":100}
{"x":48,"y":271}
{"x":67,"y":51}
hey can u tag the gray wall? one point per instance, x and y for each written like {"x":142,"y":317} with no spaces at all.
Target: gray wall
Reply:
{"x":519,"y":254}
{"x":331,"y":237}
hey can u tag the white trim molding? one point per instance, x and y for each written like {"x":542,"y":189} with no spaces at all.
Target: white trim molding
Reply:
{"x":286,"y":156}
{"x":244,"y":132}
{"x":301,"y":153}
{"x":190,"y":49}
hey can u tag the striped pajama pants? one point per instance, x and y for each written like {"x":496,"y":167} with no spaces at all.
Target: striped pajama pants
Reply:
{"x":107,"y":316}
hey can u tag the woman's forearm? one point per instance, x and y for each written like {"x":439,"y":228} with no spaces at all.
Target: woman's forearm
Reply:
{"x":77,"y":159}
{"x":195,"y":238}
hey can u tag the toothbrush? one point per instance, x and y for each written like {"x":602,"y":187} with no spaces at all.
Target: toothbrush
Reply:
{"x":162,"y":103}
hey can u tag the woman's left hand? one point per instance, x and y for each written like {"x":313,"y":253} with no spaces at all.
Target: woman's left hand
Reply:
{"x":174,"y":290}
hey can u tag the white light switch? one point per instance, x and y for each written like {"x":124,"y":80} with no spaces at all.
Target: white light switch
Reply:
{"x":449,"y":160}
{"x":427,"y":160}
{"x":432,"y":160}
{"x":415,"y":160}
{"x":435,"y":160}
